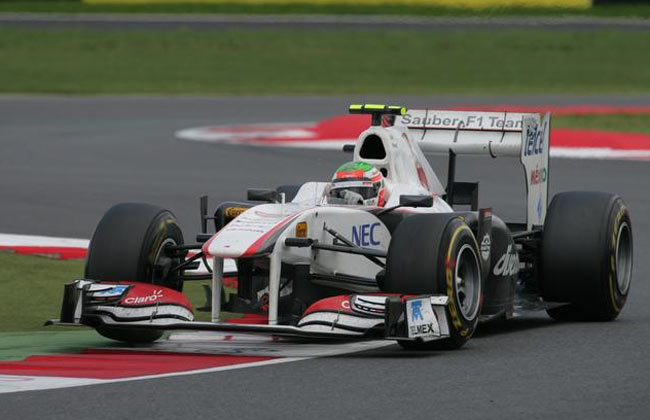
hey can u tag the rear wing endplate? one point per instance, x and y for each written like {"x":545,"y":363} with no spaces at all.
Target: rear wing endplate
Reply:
{"x":494,"y":134}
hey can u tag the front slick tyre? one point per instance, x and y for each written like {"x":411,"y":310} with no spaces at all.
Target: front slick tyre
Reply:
{"x":438,"y":254}
{"x":128,"y":245}
{"x":131,"y":336}
{"x":587,"y":256}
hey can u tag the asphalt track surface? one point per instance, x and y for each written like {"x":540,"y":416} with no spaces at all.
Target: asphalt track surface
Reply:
{"x":310,"y":22}
{"x":63,"y":161}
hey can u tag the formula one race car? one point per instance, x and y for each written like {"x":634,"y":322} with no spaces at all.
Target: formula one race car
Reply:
{"x":378,"y":252}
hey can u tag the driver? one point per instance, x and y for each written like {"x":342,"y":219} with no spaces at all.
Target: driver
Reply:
{"x":358,"y":183}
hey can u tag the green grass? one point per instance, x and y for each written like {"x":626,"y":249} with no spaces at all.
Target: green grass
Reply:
{"x":304,"y":62}
{"x":18,"y":345}
{"x":621,"y":9}
{"x":32,"y":288}
{"x":615,"y":122}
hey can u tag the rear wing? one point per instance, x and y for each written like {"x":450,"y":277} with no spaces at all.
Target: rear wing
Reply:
{"x":494,"y":134}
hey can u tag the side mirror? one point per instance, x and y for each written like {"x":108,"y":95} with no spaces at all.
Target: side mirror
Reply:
{"x":415,"y":201}
{"x":254,"y":194}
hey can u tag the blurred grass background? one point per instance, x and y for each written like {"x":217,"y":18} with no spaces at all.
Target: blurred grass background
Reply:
{"x":622,"y":8}
{"x":90,"y":61}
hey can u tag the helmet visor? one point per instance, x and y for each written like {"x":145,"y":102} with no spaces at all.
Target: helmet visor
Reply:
{"x":364,"y":189}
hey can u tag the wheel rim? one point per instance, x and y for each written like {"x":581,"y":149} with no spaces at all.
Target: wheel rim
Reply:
{"x":623,"y":258}
{"x":160,"y":255}
{"x":468,"y":281}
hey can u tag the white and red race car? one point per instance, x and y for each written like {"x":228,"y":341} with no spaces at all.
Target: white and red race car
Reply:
{"x":415,"y":270}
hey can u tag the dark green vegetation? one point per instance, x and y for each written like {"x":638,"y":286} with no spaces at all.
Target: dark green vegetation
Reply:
{"x":303,"y":62}
{"x":615,"y":122}
{"x":620,"y":9}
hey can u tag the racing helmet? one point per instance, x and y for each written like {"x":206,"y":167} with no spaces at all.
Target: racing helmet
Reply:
{"x":357,"y":183}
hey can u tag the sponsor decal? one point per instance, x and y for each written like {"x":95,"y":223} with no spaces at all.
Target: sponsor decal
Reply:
{"x":416,"y":311}
{"x":140,"y":300}
{"x":331,"y":304}
{"x":538,"y":176}
{"x":484,"y":122}
{"x":439,"y":300}
{"x":499,"y":123}
{"x":534,"y":140}
{"x":508,"y":264}
{"x":112,"y":292}
{"x":301,"y":230}
{"x":364,"y":235}
{"x":264,"y":214}
{"x":485,"y":246}
{"x":422,"y":321}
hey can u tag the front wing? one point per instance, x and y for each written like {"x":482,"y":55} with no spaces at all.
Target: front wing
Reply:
{"x":345,"y":317}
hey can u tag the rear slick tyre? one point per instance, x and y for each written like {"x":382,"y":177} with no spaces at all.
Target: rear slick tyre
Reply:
{"x":587,"y":256}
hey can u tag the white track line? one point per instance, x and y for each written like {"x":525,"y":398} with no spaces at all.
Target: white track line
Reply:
{"x":32,"y":240}
{"x":16,"y":383}
{"x":598,"y":153}
{"x":11,"y":240}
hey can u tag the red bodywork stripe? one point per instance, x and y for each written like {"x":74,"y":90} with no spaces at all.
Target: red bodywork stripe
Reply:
{"x":260,"y":241}
{"x":257,"y":245}
{"x":335,"y":303}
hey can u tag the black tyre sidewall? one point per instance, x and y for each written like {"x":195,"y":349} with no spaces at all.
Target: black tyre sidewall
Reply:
{"x":126,"y":242}
{"x":457,"y":235}
{"x":124,"y":247}
{"x":579,"y":255}
{"x":417,"y":263}
{"x":616,"y":298}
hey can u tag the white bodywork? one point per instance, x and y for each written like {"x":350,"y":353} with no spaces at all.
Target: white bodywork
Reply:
{"x":495,"y":134}
{"x":261,"y":231}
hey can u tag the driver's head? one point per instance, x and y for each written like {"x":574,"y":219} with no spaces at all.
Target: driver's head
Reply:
{"x":357,"y":183}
